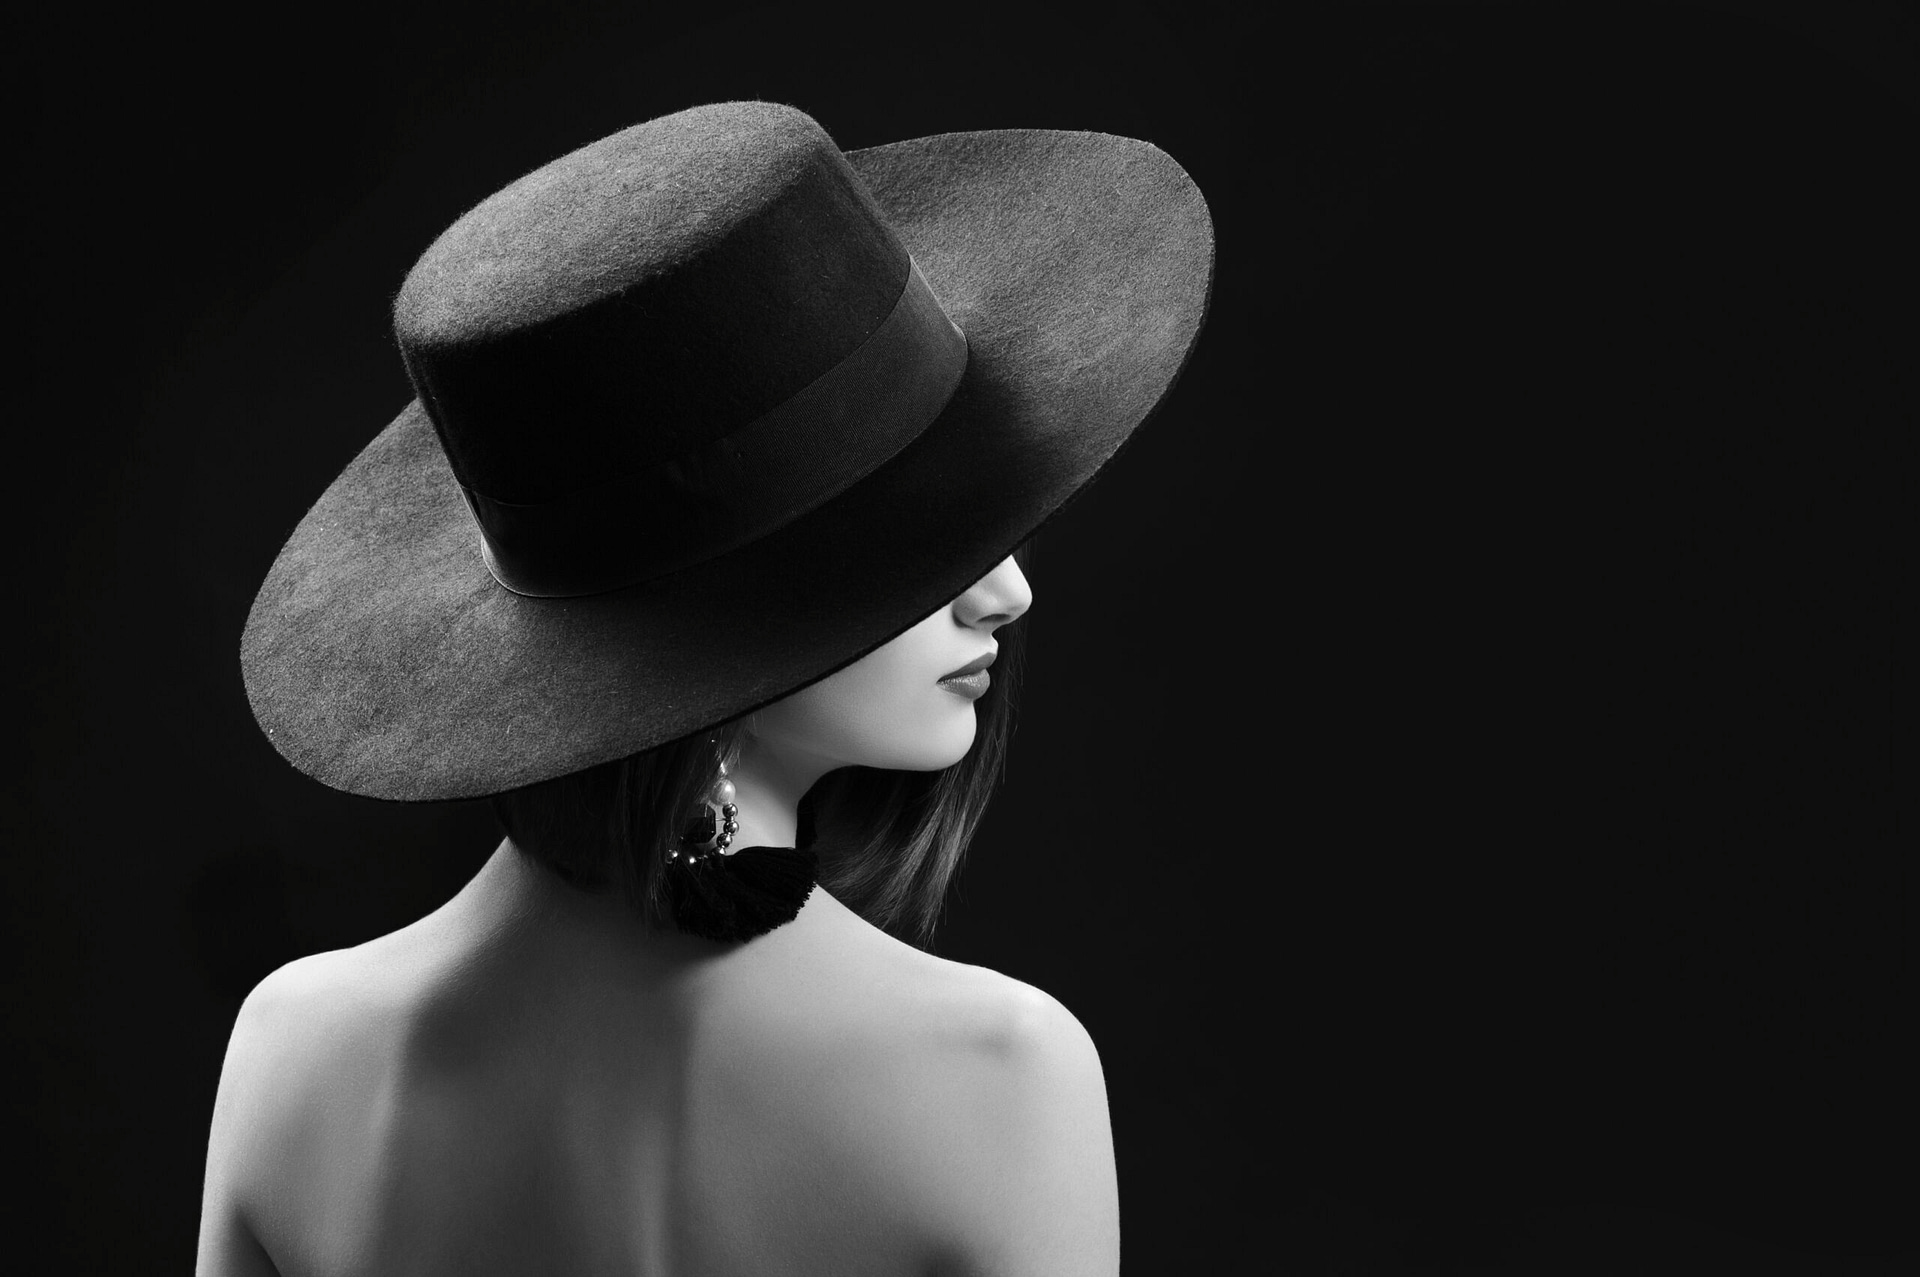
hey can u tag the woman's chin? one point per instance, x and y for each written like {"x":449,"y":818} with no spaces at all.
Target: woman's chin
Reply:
{"x":940,"y":746}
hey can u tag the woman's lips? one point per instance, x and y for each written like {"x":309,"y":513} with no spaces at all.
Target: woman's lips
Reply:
{"x":977,"y":663}
{"x":972,"y":686}
{"x":971,"y":680}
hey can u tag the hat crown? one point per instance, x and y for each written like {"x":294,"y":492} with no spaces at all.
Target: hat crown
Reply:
{"x":643,"y":296}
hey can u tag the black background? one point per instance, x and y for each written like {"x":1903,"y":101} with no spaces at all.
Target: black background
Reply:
{"x":1454,"y":782}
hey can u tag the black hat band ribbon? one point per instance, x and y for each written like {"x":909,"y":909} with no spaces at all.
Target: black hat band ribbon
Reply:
{"x":737,"y":489}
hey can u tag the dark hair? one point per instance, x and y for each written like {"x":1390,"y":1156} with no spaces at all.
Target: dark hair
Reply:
{"x":889,"y":842}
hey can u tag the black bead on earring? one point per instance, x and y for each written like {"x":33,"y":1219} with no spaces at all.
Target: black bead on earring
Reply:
{"x":712,"y":830}
{"x":729,"y":893}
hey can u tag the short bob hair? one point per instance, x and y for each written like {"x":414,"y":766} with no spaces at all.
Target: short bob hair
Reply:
{"x":889,"y":842}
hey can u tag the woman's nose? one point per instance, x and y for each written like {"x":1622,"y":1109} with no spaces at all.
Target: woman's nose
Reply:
{"x":1000,"y":596}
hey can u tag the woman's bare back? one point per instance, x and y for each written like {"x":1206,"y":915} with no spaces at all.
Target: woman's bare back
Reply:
{"x":525,"y":1082}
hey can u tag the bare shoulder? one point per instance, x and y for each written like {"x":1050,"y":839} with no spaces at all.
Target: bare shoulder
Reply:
{"x":963,"y":1108}
{"x":1027,"y":1140}
{"x":983,"y":1099}
{"x":1025,"y":1026}
{"x":303,"y":1037}
{"x":1007,"y":1031}
{"x":290,"y":1035}
{"x":907,"y":1012}
{"x":303,"y":1017}
{"x":286,"y":1010}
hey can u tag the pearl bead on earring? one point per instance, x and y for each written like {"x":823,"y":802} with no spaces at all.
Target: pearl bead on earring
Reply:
{"x":723,"y":796}
{"x":723,"y":817}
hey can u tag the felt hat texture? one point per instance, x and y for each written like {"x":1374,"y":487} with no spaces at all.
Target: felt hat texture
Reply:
{"x":705,"y":411}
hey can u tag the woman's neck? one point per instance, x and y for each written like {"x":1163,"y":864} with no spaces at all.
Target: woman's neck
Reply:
{"x":769,"y":782}
{"x":524,"y":914}
{"x":514,"y":898}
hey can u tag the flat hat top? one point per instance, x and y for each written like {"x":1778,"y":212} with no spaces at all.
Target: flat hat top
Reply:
{"x":636,"y":299}
{"x":604,"y":219}
{"x":382,"y":658}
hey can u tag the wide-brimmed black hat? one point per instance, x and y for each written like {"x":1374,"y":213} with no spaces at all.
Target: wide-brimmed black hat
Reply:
{"x":705,"y":411}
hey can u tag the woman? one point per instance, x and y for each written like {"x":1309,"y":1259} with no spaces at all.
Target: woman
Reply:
{"x":692,"y":552}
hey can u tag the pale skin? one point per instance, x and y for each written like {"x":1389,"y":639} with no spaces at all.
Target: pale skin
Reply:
{"x":530,"y":1080}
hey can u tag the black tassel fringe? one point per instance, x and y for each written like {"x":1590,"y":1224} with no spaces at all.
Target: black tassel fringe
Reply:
{"x":735,"y":898}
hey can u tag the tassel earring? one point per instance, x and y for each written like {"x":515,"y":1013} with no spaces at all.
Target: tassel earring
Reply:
{"x":722,"y":892}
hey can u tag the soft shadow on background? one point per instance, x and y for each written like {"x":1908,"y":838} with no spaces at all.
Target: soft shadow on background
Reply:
{"x":1454,"y":783}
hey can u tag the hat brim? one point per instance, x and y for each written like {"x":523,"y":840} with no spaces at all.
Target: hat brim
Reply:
{"x":383,"y":659}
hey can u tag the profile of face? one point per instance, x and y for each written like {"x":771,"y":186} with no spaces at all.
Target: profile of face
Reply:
{"x":897,"y":707}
